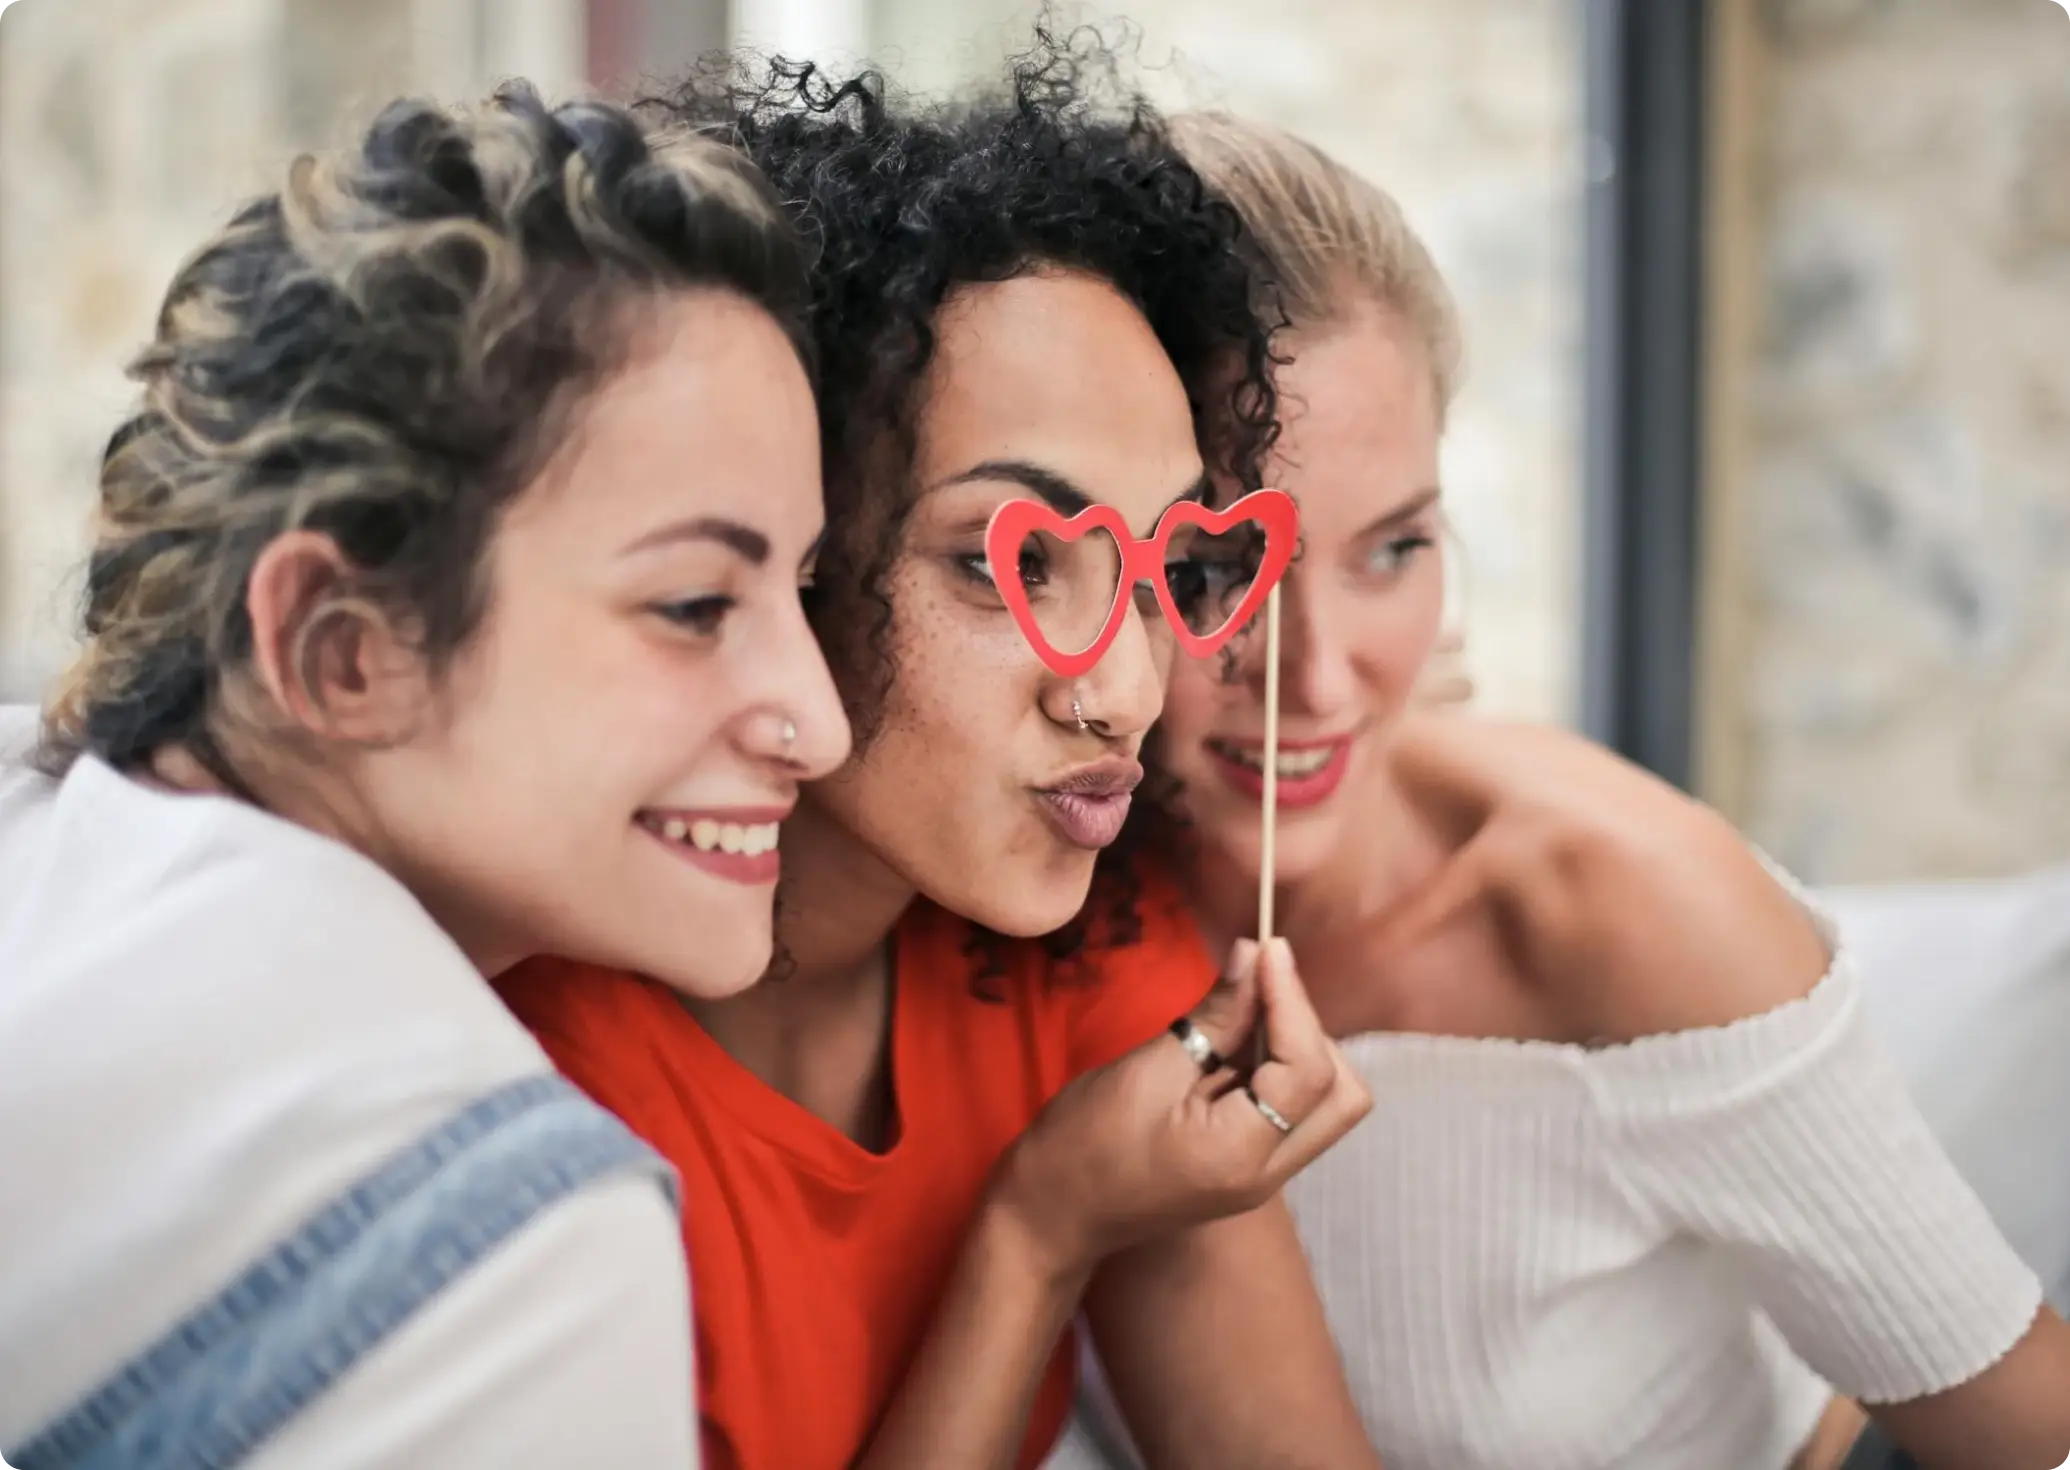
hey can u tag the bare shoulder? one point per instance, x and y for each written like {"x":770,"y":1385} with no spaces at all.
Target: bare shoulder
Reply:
{"x":1635,"y":908}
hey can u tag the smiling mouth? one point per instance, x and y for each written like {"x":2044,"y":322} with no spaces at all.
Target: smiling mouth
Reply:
{"x":1293,"y":765}
{"x":738,"y":846}
{"x":1308,"y":774}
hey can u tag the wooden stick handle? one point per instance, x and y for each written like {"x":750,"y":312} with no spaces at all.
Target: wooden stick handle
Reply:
{"x":1270,"y":817}
{"x":1270,"y":814}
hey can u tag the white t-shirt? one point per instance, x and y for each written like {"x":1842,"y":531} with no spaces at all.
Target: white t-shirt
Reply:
{"x":213,"y":1023}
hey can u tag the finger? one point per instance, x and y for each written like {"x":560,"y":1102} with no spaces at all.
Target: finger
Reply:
{"x":1279,"y":1121}
{"x":1222,"y":1018}
{"x":1342,"y":1109}
{"x":1293,"y":1033}
{"x":1296,"y":1066}
{"x":1283,"y":1032}
{"x":1285,"y":1116}
{"x":1228,"y":1011}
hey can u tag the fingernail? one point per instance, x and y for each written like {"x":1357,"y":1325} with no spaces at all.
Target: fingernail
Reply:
{"x":1283,"y":955}
{"x":1243,"y":958}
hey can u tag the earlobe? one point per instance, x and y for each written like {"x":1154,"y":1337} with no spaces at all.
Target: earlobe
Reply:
{"x":327,"y":657}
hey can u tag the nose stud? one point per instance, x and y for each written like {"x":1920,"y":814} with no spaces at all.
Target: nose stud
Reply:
{"x":1078,"y":714}
{"x":790,"y":736}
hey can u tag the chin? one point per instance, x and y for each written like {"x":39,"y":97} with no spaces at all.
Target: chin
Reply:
{"x":1305,"y":844}
{"x":713,"y":971}
{"x":1043,"y":899}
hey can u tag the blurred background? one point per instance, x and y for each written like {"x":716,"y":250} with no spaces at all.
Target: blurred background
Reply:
{"x":1762,"y":467}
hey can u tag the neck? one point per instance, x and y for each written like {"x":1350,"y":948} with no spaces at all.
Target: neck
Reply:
{"x":303,"y":797}
{"x":819,"y":1029}
{"x":1377,"y":859}
{"x":837,"y":905}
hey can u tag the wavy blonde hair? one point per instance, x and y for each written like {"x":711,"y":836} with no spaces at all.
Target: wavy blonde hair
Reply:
{"x":1332,"y":241}
{"x":385,"y":351}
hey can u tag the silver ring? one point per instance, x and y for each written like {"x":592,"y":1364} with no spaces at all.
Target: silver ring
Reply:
{"x":1194,"y":1042}
{"x":1271,"y":1114}
{"x":1078,"y":714}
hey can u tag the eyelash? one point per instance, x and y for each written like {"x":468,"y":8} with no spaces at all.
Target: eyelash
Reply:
{"x":976,"y":568}
{"x":701,"y":616}
{"x":1402,"y":549}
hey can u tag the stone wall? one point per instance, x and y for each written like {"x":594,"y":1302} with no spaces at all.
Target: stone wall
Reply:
{"x":129,"y":127}
{"x":128,"y":131}
{"x":1899,"y":702}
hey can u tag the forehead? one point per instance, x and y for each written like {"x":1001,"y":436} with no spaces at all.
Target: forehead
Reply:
{"x":1359,"y":423}
{"x":1057,"y":369}
{"x":710,"y":413}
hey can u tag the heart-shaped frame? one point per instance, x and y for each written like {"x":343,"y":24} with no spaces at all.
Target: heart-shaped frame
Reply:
{"x":1141,"y":561}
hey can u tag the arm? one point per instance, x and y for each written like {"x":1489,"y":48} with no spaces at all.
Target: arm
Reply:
{"x":569,"y":1345}
{"x":1216,"y":1347}
{"x":966,"y":1398}
{"x":1143,"y":1148}
{"x":2015,"y":1415}
{"x":1765,"y":1117}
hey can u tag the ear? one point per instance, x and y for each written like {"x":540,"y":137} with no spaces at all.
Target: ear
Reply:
{"x":328,"y":658}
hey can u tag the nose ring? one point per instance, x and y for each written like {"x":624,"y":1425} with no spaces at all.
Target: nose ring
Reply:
{"x":790,"y":735}
{"x":1078,"y":714}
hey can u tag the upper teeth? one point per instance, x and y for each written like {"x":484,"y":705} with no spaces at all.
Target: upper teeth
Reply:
{"x":1292,"y":765}
{"x":707,"y":835}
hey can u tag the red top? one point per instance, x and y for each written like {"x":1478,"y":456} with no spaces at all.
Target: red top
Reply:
{"x":815,"y":1264}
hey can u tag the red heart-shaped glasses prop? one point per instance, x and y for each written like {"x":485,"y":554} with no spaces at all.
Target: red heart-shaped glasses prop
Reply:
{"x":1272,"y":512}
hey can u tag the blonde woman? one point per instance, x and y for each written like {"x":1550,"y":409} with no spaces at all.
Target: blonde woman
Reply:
{"x":1639,"y":1188}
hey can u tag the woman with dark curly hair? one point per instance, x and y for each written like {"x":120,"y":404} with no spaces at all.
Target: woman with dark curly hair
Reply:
{"x":911,"y":1152}
{"x":446,"y":577}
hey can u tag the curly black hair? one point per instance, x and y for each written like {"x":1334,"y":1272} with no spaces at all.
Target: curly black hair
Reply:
{"x":903,"y":202}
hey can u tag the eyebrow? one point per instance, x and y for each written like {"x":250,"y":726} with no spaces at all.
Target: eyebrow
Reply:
{"x":1062,"y":496}
{"x":746,"y":541}
{"x":1403,"y":513}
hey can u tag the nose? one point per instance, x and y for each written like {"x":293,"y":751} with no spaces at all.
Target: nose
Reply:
{"x":790,"y":679}
{"x":1315,"y":665}
{"x":1123,"y":694}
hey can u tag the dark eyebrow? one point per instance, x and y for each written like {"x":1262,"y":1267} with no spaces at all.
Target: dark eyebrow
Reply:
{"x":1063,"y":497}
{"x":1402,"y":514}
{"x":746,"y":541}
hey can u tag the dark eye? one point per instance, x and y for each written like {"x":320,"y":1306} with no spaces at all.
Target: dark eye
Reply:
{"x":1212,"y":578}
{"x":703,"y":616}
{"x":978,"y":568}
{"x":1034,"y":567}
